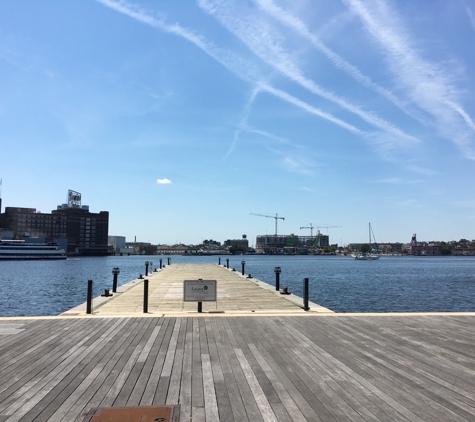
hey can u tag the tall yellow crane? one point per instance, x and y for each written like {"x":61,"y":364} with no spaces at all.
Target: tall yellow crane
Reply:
{"x":271,"y":216}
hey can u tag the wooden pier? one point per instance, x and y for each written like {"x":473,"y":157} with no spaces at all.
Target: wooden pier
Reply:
{"x":240,"y":365}
{"x":236,"y":294}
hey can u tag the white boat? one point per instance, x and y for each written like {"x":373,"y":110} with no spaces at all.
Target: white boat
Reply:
{"x":19,"y":250}
{"x":367,"y":256}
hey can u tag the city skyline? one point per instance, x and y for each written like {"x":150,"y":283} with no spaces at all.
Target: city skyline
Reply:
{"x":183,"y":119}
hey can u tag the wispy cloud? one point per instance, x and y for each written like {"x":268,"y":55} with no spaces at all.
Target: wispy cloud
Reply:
{"x":339,"y":62}
{"x":396,"y":181}
{"x":428,"y":85}
{"x":243,"y":122}
{"x":416,"y":168}
{"x":470,"y":14}
{"x":265,"y":44}
{"x":389,"y":138}
{"x":163,"y":181}
{"x":295,"y":163}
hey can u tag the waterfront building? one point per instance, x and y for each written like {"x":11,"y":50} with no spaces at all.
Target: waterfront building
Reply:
{"x":240,"y":244}
{"x":117,"y":242}
{"x":173,"y":250}
{"x":280,"y":242}
{"x":27,"y":222}
{"x":86,"y":233}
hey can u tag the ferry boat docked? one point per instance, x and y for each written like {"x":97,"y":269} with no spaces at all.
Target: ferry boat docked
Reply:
{"x":19,"y":249}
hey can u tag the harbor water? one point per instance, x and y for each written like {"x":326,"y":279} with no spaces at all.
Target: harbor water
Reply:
{"x":342,"y":284}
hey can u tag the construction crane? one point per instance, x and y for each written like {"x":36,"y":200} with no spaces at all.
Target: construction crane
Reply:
{"x":271,"y":216}
{"x":309,"y":227}
{"x":327,"y":227}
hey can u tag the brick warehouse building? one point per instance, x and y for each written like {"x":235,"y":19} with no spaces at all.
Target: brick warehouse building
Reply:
{"x":86,"y":232}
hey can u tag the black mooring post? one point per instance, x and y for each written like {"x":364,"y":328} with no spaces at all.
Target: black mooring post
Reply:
{"x":145,"y":296}
{"x":227,"y":263}
{"x":116,"y":272}
{"x":169,"y":260}
{"x":146,"y":268}
{"x":243,"y":263}
{"x":277,"y":271}
{"x":160,"y":263}
{"x":200,"y":307}
{"x":89,"y":297}
{"x":219,"y":261}
{"x":305,"y":294}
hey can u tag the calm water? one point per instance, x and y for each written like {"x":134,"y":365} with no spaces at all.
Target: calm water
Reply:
{"x":391,"y":284}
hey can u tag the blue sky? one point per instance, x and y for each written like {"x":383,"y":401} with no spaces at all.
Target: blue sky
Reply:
{"x":181,"y":118}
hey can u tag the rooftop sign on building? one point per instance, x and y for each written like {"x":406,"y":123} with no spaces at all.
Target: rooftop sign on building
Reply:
{"x":74,"y":199}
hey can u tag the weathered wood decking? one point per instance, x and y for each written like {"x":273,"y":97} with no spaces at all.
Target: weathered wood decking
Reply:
{"x":235,"y":294}
{"x":267,"y":368}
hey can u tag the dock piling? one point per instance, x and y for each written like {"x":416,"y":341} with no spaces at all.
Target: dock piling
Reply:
{"x":116,"y":272}
{"x":243,"y":263}
{"x":89,"y":297}
{"x":145,"y":296}
{"x":305,"y":294}
{"x":277,"y":271}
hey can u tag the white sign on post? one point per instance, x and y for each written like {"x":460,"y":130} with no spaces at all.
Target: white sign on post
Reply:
{"x":199,"y":291}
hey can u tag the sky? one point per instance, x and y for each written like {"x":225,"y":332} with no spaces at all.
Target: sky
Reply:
{"x":184,"y":118}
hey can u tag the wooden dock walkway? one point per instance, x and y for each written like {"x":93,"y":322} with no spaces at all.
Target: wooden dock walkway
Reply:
{"x":248,"y":368}
{"x":236,"y":294}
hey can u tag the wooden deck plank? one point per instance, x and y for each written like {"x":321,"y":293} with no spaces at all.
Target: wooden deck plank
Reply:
{"x":363,"y":365}
{"x":30,"y":344}
{"x":36,"y":362}
{"x":69,"y":386}
{"x":31,"y":392}
{"x":77,"y":402}
{"x":232,"y":345}
{"x":432,"y":390}
{"x":235,"y":293}
{"x":185,"y":386}
{"x":322,"y":355}
{"x":117,"y":394}
{"x":366,"y":368}
{"x":173,"y":394}
{"x":128,"y":378}
{"x":272,"y":401}
{"x":96,"y":391}
{"x":197,"y":395}
{"x":310,"y":384}
{"x":156,"y":369}
{"x":108,"y":379}
{"x":166,"y":373}
{"x":221,"y":391}
{"x":149,"y":354}
{"x":417,"y":400}
{"x":25,"y":343}
{"x":235,"y":399}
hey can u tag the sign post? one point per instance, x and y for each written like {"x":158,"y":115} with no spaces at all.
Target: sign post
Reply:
{"x":199,"y":291}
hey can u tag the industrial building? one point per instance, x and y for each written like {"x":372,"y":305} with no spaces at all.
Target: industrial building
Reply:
{"x":86,"y":233}
{"x":241,"y":244}
{"x":272,"y":243}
